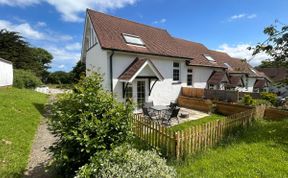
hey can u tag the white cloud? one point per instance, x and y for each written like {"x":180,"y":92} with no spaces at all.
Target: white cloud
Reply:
{"x":70,"y":9}
{"x":61,"y":66}
{"x":28,"y":31}
{"x":73,"y":46}
{"x":160,"y":21}
{"x":252,"y":16}
{"x":241,"y":51}
{"x":20,"y":3}
{"x":41,"y":24}
{"x":24,"y":28}
{"x":242,"y":16}
{"x":63,"y":55}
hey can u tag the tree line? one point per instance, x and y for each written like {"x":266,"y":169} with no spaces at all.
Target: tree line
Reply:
{"x":14,"y":48}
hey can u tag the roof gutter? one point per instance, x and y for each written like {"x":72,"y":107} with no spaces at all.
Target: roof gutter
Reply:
{"x":111,"y":71}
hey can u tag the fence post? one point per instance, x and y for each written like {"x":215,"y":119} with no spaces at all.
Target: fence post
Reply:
{"x":177,"y":144}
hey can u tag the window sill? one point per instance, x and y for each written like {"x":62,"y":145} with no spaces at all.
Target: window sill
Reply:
{"x":176,"y":82}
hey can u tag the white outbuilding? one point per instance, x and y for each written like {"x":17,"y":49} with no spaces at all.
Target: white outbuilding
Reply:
{"x":6,"y":73}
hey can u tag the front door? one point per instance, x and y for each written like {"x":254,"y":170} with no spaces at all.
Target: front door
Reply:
{"x":141,"y":93}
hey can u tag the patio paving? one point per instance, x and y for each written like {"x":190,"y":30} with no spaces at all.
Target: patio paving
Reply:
{"x":193,"y":115}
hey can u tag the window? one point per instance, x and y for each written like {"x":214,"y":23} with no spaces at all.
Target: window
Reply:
{"x":132,"y":39}
{"x":211,"y":86}
{"x":227,"y":65}
{"x":176,"y":71}
{"x":253,"y":70}
{"x":129,"y":91}
{"x":92,"y":38}
{"x":209,"y":58}
{"x":189,"y":77}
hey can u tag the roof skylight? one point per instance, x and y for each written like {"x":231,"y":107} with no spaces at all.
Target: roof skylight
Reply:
{"x":133,"y":39}
{"x":253,"y":70}
{"x":209,"y":58}
{"x":227,"y":65}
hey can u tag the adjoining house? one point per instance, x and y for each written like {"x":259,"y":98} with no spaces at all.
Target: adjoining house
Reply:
{"x":6,"y":73}
{"x":279,"y":77}
{"x":148,"y":64}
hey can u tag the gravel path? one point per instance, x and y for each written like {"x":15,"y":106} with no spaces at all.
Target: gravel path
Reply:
{"x":39,"y":156}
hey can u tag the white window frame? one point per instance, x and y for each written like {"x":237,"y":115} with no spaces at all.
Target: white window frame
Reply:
{"x":133,"y":36}
{"x":92,"y":38}
{"x":176,"y":68}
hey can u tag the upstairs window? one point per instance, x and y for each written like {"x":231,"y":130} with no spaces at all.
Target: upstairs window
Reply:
{"x":133,"y":39}
{"x":92,"y":38}
{"x":189,"y":77}
{"x":227,"y":65}
{"x":253,"y":70}
{"x":176,"y":71}
{"x":209,"y":58}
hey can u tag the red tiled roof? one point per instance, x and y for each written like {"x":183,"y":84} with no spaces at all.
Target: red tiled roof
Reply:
{"x":109,"y":31}
{"x":157,"y":41}
{"x":235,"y":81}
{"x":275,"y":74}
{"x":260,"y":83}
{"x":134,"y":67}
{"x":217,"y":77}
{"x":195,"y":51}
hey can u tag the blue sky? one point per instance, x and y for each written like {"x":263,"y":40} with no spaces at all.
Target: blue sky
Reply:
{"x":225,"y":25}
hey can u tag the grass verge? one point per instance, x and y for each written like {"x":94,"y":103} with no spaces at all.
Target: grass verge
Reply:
{"x":20,"y":115}
{"x":261,"y":151}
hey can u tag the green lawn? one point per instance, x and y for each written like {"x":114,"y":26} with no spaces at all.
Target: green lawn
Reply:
{"x":20,"y":113}
{"x":261,"y":151}
{"x":203,"y":120}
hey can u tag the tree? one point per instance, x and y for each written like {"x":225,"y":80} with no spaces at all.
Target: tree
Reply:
{"x":276,"y":46}
{"x":43,"y":58}
{"x":15,"y":49}
{"x":78,"y":71}
{"x":59,"y":77}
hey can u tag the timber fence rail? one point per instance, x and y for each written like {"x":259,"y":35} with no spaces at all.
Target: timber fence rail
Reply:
{"x":189,"y":141}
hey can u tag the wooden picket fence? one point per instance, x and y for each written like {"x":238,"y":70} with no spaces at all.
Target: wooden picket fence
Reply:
{"x":189,"y":141}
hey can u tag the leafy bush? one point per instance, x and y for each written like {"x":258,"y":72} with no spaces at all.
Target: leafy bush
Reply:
{"x":87,"y":121}
{"x":261,"y":102}
{"x":248,"y":100}
{"x":25,"y":79}
{"x":271,"y":97}
{"x":125,"y":161}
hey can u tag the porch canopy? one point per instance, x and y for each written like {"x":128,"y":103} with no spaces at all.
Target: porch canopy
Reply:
{"x":140,"y":68}
{"x":235,"y":81}
{"x":260,"y":84}
{"x":218,"y":77}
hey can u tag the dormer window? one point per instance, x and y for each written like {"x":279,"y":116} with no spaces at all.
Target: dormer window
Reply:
{"x":227,"y":65}
{"x":133,"y":39}
{"x":209,"y":58}
{"x":253,"y":70}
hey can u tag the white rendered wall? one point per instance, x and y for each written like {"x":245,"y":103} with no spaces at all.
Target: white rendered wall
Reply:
{"x":201,"y":76}
{"x":6,"y":74}
{"x":164,"y":91}
{"x":97,"y":60}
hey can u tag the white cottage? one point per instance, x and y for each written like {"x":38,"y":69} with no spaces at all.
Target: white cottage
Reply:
{"x":147,"y":63}
{"x":6,"y":73}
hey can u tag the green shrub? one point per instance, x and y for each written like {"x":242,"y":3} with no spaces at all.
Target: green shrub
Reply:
{"x":248,"y":100}
{"x":125,"y":161}
{"x":25,"y":79}
{"x":261,"y":102}
{"x":87,"y":121}
{"x":271,"y":97}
